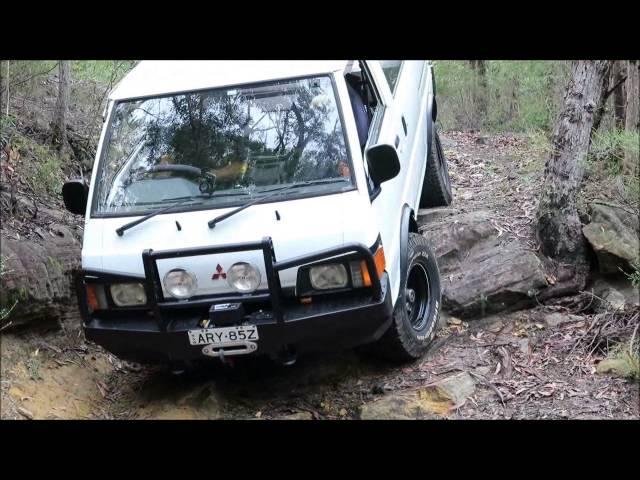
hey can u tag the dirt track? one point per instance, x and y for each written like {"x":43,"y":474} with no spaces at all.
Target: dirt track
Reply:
{"x":524,"y":367}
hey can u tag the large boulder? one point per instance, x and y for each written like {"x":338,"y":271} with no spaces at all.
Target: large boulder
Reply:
{"x":480,"y":275}
{"x":38,"y":276}
{"x":613,"y":233}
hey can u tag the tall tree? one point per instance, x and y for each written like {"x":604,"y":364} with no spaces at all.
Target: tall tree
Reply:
{"x":4,"y":85}
{"x":558,"y":226}
{"x":59,"y":124}
{"x":480,"y":90}
{"x":618,"y":77}
{"x":632,"y":113}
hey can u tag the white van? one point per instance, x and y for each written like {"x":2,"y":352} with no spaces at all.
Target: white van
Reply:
{"x":262,"y":207}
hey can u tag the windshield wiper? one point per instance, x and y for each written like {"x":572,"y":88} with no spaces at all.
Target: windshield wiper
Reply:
{"x":272,"y":193}
{"x":127,"y":226}
{"x":182,"y":201}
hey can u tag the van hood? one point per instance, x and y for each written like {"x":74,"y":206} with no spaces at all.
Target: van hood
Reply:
{"x":299,"y":227}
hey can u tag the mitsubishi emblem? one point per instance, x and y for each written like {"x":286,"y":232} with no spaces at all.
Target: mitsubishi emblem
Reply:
{"x":219,"y":273}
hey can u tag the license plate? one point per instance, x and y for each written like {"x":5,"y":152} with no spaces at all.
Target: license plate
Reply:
{"x":208,"y":336}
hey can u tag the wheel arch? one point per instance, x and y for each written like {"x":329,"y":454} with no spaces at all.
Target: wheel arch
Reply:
{"x":408,"y":224}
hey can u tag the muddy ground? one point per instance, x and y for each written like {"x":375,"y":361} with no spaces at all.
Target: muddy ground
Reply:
{"x":523,"y":365}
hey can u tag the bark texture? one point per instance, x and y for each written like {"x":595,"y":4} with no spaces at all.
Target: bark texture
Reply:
{"x":59,"y":126}
{"x":480,"y":92}
{"x":618,"y":76}
{"x":2,"y":86}
{"x":632,"y":113}
{"x":558,"y":226}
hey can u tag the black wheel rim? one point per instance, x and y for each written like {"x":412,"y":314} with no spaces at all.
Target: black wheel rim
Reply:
{"x":417,"y":296}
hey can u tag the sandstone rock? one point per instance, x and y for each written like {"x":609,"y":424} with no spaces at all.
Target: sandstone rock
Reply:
{"x":426,"y":402}
{"x":195,"y":403}
{"x":39,"y":275}
{"x":480,"y":276}
{"x":556,"y":319}
{"x":483,"y":370}
{"x":427,"y":215}
{"x":613,"y":234}
{"x":297,"y":416}
{"x":615,"y":294}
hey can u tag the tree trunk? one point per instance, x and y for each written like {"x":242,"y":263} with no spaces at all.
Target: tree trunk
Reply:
{"x":618,"y":76}
{"x":480,"y":90}
{"x":632,"y":113}
{"x":2,"y":82}
{"x":4,"y":87}
{"x":559,"y":228}
{"x":59,"y":125}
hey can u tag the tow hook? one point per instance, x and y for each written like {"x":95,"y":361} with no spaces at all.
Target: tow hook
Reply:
{"x":287,"y":356}
{"x":177,"y":368}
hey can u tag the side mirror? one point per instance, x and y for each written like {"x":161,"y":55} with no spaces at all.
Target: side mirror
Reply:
{"x":75,"y":194}
{"x":384,"y":163}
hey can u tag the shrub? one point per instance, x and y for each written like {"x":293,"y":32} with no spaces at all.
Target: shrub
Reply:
{"x":609,"y":148}
{"x":519,"y":95}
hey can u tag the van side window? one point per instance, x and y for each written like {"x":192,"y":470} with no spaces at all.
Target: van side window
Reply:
{"x":363,"y":102}
{"x":391,"y":69}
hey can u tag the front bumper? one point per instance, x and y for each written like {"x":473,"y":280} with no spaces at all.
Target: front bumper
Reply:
{"x":159,"y":334}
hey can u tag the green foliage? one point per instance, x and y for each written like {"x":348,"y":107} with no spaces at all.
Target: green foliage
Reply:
{"x":634,"y":277}
{"x":519,"y":95}
{"x":623,"y":360}
{"x":538,"y":144}
{"x":610,"y":147}
{"x":104,"y":71}
{"x":25,"y":76}
{"x":33,"y":365}
{"x":42,"y":164}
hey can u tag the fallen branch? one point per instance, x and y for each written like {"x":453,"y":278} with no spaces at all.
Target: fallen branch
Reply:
{"x":486,"y":382}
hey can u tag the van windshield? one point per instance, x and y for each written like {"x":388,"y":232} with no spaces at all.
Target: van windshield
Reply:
{"x":222,"y":146}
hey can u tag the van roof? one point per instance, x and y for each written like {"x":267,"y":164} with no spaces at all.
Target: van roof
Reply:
{"x":158,"y":77}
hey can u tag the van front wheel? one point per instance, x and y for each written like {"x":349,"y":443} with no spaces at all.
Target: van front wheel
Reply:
{"x":416,"y":312}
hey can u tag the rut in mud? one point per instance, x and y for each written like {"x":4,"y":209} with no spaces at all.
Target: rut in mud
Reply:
{"x":535,"y":363}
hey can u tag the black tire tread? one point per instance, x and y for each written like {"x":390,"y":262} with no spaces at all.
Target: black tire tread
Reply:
{"x":396,"y":344}
{"x":435,"y":191}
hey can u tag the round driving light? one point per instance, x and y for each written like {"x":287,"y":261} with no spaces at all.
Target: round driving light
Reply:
{"x":243,"y":277}
{"x":179,"y":283}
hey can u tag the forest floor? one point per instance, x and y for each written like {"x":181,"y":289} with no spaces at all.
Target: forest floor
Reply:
{"x":525,"y":365}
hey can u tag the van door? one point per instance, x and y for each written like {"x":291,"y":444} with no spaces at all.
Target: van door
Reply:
{"x":398,"y":86}
{"x":405,"y":82}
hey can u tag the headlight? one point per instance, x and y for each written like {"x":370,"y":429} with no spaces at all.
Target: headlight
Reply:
{"x":179,"y":283}
{"x":325,"y":277}
{"x":128,"y":294}
{"x":244,"y":277}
